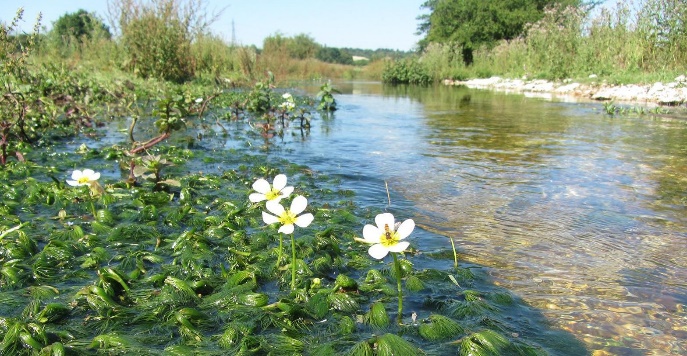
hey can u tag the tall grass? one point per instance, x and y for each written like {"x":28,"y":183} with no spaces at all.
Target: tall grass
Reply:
{"x":623,"y":42}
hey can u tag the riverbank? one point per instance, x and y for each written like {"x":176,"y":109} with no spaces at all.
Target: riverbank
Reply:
{"x":664,"y":94}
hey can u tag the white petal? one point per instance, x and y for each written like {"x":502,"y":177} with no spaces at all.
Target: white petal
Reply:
{"x":286,"y":229}
{"x":73,"y":183}
{"x":256,"y":197}
{"x":269,"y":218}
{"x":76,"y":175}
{"x":262,"y":186}
{"x":378,"y":251}
{"x":385,"y":219}
{"x":298,"y":204}
{"x":405,"y":229}
{"x":371,"y":234}
{"x":274,"y":207}
{"x":279,"y":182}
{"x":95,"y":176}
{"x":286,"y":191}
{"x":399,"y":247}
{"x":304,"y":220}
{"x":88,"y":172}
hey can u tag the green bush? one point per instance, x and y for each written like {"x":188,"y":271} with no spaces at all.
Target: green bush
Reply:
{"x":406,"y":71}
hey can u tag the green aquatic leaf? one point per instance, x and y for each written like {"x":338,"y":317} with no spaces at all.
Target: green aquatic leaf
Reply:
{"x":377,"y":316}
{"x":346,"y":325}
{"x":438,"y":327}
{"x":343,"y":302}
{"x":53,"y":312}
{"x":483,"y":343}
{"x":345,"y":282}
{"x":414,"y":284}
{"x":390,"y":344}
{"x":318,"y":304}
{"x":361,"y":348}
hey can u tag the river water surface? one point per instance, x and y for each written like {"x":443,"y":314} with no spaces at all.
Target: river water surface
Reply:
{"x":580,"y":214}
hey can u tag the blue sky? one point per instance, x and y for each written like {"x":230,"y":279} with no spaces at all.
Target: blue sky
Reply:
{"x":367,"y":24}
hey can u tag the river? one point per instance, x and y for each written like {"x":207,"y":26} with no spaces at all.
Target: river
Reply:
{"x":580,"y":214}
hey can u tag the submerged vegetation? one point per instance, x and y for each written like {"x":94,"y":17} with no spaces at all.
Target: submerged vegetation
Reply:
{"x":125,"y":227}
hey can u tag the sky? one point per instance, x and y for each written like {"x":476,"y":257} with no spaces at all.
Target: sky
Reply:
{"x":365,"y":24}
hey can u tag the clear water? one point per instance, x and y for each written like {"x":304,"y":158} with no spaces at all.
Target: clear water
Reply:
{"x":580,"y":214}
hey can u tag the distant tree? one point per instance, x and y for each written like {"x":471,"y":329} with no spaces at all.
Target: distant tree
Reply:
{"x":275,"y":44}
{"x":80,"y":25}
{"x":334,"y":55}
{"x":302,"y":46}
{"x":472,"y":23}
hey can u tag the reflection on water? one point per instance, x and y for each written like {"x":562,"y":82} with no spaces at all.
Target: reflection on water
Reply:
{"x":580,"y":214}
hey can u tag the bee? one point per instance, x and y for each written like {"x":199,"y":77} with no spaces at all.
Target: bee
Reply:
{"x":387,"y":232}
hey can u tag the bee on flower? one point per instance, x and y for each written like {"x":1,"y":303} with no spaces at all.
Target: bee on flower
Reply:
{"x":387,"y":235}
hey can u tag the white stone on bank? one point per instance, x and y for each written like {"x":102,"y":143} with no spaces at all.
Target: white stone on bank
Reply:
{"x":673,"y":93}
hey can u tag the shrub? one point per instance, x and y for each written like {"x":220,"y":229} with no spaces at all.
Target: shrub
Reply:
{"x":157,"y":35}
{"x":406,"y":71}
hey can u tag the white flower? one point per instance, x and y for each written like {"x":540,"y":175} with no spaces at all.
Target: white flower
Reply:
{"x":288,"y":217}
{"x":275,"y":192}
{"x":85,"y":177}
{"x":199,"y":100}
{"x":287,"y":105}
{"x":386,"y":236}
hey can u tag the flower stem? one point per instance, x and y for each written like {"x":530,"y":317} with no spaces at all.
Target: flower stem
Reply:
{"x":293,"y":263}
{"x":397,"y":266}
{"x":95,"y":216}
{"x":280,"y":251}
{"x":455,"y":255}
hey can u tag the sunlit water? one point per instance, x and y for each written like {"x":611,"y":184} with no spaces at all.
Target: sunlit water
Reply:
{"x":581,"y":214}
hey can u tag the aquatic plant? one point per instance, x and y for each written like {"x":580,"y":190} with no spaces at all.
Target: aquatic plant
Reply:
{"x":89,"y":178}
{"x":386,"y":237}
{"x":326,"y":95}
{"x":288,"y":218}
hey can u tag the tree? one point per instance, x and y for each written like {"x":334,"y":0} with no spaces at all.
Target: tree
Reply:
{"x":472,"y":23}
{"x":80,"y":25}
{"x":334,"y":55}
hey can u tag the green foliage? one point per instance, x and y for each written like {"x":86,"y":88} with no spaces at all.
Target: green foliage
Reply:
{"x":259,"y":99}
{"x":157,"y":36}
{"x":472,"y":23}
{"x":377,"y":316}
{"x":407,"y":71}
{"x":438,"y":327}
{"x":622,"y":43}
{"x":326,"y":95}
{"x":80,"y":25}
{"x":483,"y":343}
{"x":334,"y":55}
{"x":390,"y":344}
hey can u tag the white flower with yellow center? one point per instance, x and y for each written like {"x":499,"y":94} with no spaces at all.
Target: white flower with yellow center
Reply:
{"x":275,"y":192}
{"x":288,"y":217}
{"x":85,"y":177}
{"x":386,"y":236}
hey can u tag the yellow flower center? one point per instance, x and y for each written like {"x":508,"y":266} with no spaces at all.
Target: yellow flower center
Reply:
{"x":389,"y":238}
{"x":272,"y":194}
{"x":83,"y":180}
{"x":287,"y":218}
